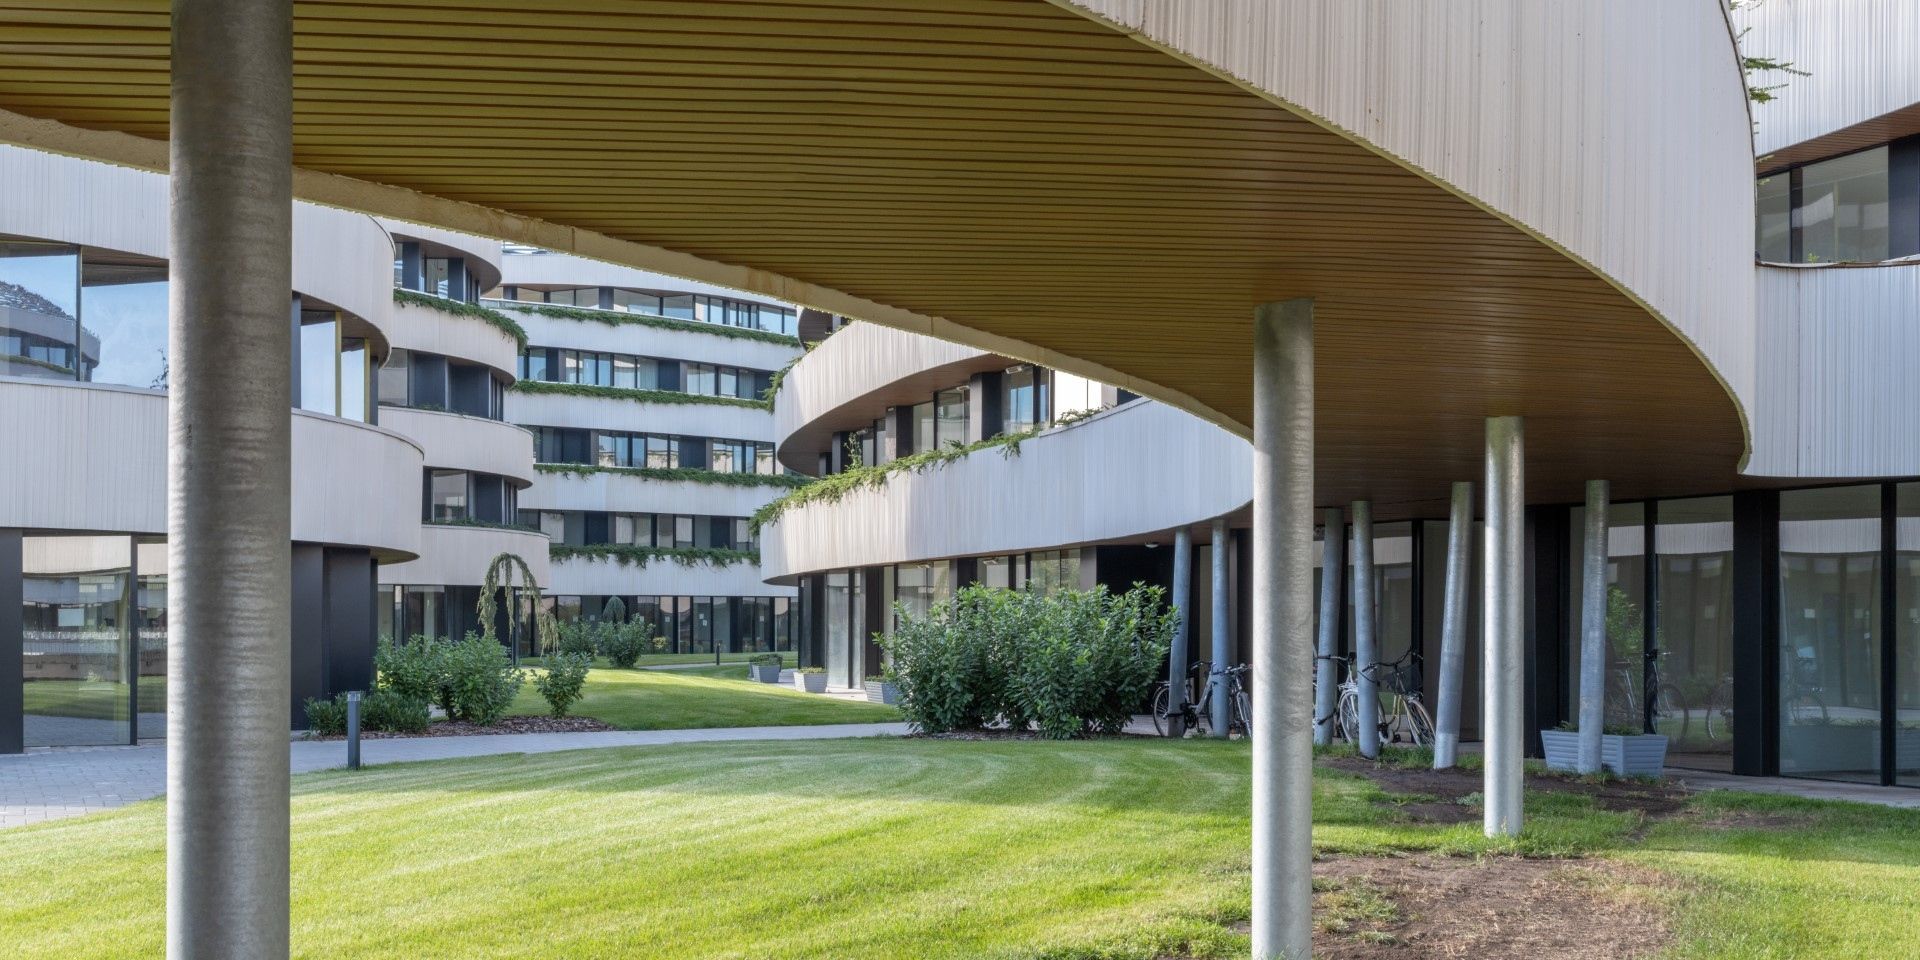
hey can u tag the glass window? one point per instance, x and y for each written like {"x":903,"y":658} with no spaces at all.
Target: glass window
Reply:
{"x":1843,"y":208}
{"x":607,"y":453}
{"x":393,"y":378}
{"x":727,"y":382}
{"x":39,"y":310}
{"x":663,"y":452}
{"x":554,"y":524}
{"x":1053,"y":570}
{"x":124,"y":311}
{"x":319,"y":361}
{"x":446,"y":495}
{"x":1829,"y":633}
{"x":1906,"y":635}
{"x":699,"y":379}
{"x":533,"y":364}
{"x":763,"y":459}
{"x":571,"y":368}
{"x":950,"y":413}
{"x":1693,"y":639}
{"x":724,"y":640}
{"x":77,"y":641}
{"x":436,"y":276}
{"x":679,"y":307}
{"x":722,"y":457}
{"x":1018,"y":398}
{"x":625,"y":374}
{"x":1774,"y":217}
{"x":529,"y":295}
{"x":630,"y":301}
{"x":353,"y":379}
{"x":923,"y":426}
{"x":683,"y":532}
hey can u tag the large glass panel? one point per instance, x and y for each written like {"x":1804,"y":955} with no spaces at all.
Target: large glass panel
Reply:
{"x":392,"y":380}
{"x":679,"y":307}
{"x":1433,"y":586}
{"x":1054,"y":570}
{"x":1625,"y":617}
{"x":1693,"y":638}
{"x":1830,"y":633}
{"x":319,"y":361}
{"x":1906,"y":636}
{"x":1773,"y":218}
{"x":1017,"y":399}
{"x":39,"y":311}
{"x":629,"y":301}
{"x":839,"y":624}
{"x":698,"y":379}
{"x":951,"y":416}
{"x":78,"y":656}
{"x":1843,"y":208}
{"x":446,"y":495}
{"x":1392,"y":589}
{"x":923,"y":427}
{"x":353,"y":379}
{"x":150,"y":623}
{"x":723,"y":638}
{"x":124,"y":311}
{"x":995,"y":572}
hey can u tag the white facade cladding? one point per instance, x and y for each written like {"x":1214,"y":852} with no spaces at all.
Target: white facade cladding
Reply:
{"x":654,"y":445}
{"x":1855,"y":61}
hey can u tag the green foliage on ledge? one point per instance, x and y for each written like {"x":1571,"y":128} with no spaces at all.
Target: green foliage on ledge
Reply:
{"x":462,"y":309}
{"x":680,"y":474}
{"x":638,"y":396}
{"x":615,"y":318}
{"x":631,"y":556}
{"x":487,"y":524}
{"x":833,"y":489}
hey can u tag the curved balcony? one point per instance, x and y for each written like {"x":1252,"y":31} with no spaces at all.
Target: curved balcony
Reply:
{"x":107,"y":472}
{"x":453,"y":555}
{"x":482,"y":254}
{"x":456,"y":441}
{"x":693,"y":344}
{"x":845,"y":381}
{"x":1128,"y":473}
{"x":450,"y":333}
{"x":1493,"y":209}
{"x":728,"y":421}
{"x":662,"y":576}
{"x":1840,"y":400}
{"x":1861,"y":85}
{"x":626,"y":493}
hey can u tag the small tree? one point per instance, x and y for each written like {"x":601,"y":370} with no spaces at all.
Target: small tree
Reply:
{"x":500,"y":577}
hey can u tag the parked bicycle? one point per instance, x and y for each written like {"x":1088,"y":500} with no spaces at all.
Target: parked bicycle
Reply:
{"x":1401,"y":713}
{"x":1197,"y":710}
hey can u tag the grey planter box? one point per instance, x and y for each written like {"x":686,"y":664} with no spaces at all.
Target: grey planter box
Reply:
{"x":810,"y":682}
{"x":1638,"y":756}
{"x":880,"y":691}
{"x":764,"y":674}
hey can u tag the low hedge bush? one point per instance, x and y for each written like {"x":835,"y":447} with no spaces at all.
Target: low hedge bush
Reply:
{"x":478,"y":681}
{"x":562,"y":682}
{"x":381,"y":710}
{"x":1069,"y":663}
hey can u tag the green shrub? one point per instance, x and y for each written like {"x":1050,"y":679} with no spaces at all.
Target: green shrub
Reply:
{"x":389,"y":709}
{"x":580,"y":637}
{"x":622,"y":643}
{"x":813,"y":669}
{"x":766,"y":660}
{"x":479,"y":682}
{"x":414,"y":669}
{"x":562,"y":682}
{"x":1069,"y":663}
{"x":327,"y":717}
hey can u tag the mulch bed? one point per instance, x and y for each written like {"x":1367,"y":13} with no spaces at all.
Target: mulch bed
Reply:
{"x":451,"y":728}
{"x":1657,"y":801}
{"x":1495,"y":908}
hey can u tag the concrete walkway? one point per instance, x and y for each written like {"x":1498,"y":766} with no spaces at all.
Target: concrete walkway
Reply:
{"x":1905,"y":798}
{"x":53,"y":783}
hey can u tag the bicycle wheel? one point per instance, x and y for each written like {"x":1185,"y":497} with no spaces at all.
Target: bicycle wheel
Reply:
{"x":1719,"y":718}
{"x":1349,"y":719}
{"x":1419,"y":724}
{"x":1160,"y":699}
{"x":1243,"y":713}
{"x":1670,"y":713}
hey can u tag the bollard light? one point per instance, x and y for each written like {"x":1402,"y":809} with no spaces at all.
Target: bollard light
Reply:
{"x":353,"y":730}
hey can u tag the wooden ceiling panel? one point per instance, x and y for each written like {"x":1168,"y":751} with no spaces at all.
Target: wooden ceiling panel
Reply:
{"x":1006,"y":165}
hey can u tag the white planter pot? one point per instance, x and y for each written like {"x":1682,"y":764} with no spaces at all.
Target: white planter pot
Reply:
{"x":880,"y":691}
{"x":1644,"y":755}
{"x":764,"y":674}
{"x":810,"y":682}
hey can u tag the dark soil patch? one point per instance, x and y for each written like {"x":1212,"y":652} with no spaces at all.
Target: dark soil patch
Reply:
{"x":1656,"y":801}
{"x":1498,"y":908}
{"x":452,"y":728}
{"x":1755,"y":820}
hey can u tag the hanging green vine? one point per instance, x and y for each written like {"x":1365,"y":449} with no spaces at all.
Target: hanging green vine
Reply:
{"x":628,"y":555}
{"x":500,"y":575}
{"x":615,"y":318}
{"x":462,"y":309}
{"x":679,"y":474}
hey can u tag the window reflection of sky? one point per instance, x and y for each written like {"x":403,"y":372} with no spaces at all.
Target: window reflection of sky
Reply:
{"x":130,"y":319}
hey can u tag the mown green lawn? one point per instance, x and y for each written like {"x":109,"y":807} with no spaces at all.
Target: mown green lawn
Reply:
{"x":1111,"y":849}
{"x":702,"y":697}
{"x":90,"y":699}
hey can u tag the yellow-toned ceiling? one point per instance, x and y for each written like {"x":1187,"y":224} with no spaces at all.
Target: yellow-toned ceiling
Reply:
{"x":1006,"y":165}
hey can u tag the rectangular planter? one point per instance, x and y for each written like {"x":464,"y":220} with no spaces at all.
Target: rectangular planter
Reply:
{"x":880,"y":691}
{"x":1644,"y":755}
{"x":764,"y":674}
{"x":810,"y":682}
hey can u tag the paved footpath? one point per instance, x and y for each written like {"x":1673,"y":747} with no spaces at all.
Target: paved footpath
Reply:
{"x":49,"y":784}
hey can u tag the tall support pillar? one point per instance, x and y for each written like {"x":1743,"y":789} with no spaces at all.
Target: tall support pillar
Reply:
{"x":1326,"y":683}
{"x":1593,"y":627}
{"x":229,"y":479}
{"x":1503,"y":617}
{"x":1366,"y":651}
{"x":1178,"y":657}
{"x":1282,"y":641}
{"x":1453,"y":627}
{"x":1222,"y":710}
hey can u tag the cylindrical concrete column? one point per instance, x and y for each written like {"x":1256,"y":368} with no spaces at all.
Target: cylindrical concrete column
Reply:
{"x":1453,"y":627}
{"x":1282,"y":642}
{"x":1593,"y":627}
{"x":1326,"y":683}
{"x":1366,"y":649}
{"x":1222,"y":710}
{"x":229,"y":478}
{"x":1503,"y":609}
{"x":1177,"y":656}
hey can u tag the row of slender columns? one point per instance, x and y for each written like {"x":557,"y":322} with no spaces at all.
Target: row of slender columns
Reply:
{"x":1326,"y":683}
{"x":1177,"y":654}
{"x":1366,"y":646}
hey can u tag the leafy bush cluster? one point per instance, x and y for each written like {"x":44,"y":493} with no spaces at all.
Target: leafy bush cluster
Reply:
{"x":383,"y":709}
{"x":471,"y":679}
{"x":564,"y":679}
{"x":619,"y":641}
{"x":1069,"y":663}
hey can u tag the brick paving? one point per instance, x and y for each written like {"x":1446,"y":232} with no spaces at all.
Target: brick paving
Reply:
{"x":53,"y":783}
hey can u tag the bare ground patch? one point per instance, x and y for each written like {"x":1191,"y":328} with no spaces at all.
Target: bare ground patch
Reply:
{"x":1439,"y":793}
{"x":1496,"y":908}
